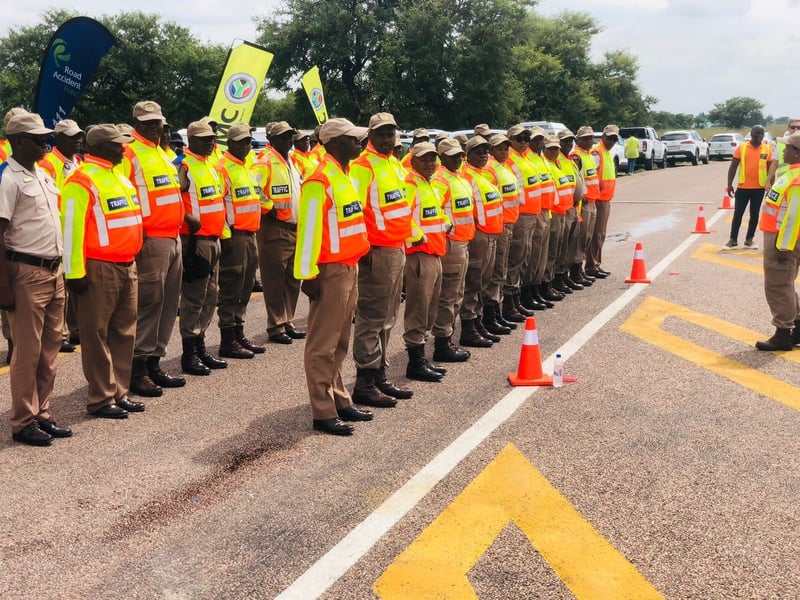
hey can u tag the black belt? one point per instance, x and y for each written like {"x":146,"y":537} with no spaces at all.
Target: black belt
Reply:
{"x":28,"y":259}
{"x":240,"y":232}
{"x":122,"y":264}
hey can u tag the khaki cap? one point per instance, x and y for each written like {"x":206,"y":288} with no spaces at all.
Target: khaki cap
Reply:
{"x":26,"y":123}
{"x":333,"y":128}
{"x":564,"y":134}
{"x":147,"y":110}
{"x":422,"y":149}
{"x":239,"y":131}
{"x":461,"y":138}
{"x":281,"y":127}
{"x":537,"y":132}
{"x":551,"y":141}
{"x":299,"y":135}
{"x":209,"y":120}
{"x":791,"y":140}
{"x":420,"y":132}
{"x":450,"y":147}
{"x":585,"y":131}
{"x":200,"y":128}
{"x":17,"y":110}
{"x":515,"y":130}
{"x":475,"y":142}
{"x":498,"y":139}
{"x":125,"y":128}
{"x":482,"y":129}
{"x":397,"y":140}
{"x":442,"y":135}
{"x":381,"y":119}
{"x":107,"y":132}
{"x":68,"y":127}
{"x":611,"y":130}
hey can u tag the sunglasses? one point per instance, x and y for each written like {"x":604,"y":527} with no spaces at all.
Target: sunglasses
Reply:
{"x":39,"y":140}
{"x":793,"y":127}
{"x":522,"y":138}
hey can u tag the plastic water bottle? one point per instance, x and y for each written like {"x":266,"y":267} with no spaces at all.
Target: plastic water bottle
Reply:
{"x":558,"y":371}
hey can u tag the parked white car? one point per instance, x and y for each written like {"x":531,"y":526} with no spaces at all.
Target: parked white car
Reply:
{"x":685,"y":145}
{"x":722,"y":145}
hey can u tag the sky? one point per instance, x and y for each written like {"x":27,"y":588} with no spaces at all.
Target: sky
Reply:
{"x":692,"y":53}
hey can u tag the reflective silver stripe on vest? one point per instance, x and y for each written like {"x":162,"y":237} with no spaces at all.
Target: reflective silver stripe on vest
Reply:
{"x":333,"y":224}
{"x":102,"y":227}
{"x":167,"y":200}
{"x":493,"y":212}
{"x":398,"y":212}
{"x":464,"y":220}
{"x":282,"y":205}
{"x":353,"y":230}
{"x":438,"y":228}
{"x":240,"y":210}
{"x":211,"y":208}
{"x":121,"y":222}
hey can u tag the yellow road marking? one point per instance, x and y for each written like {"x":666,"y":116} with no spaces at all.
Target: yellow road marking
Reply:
{"x":511,"y":489}
{"x":645,"y":323}
{"x":728,"y":258}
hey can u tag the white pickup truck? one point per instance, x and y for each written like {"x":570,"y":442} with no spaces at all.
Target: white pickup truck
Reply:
{"x":652,"y":151}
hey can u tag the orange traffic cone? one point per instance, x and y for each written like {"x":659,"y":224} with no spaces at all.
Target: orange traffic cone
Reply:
{"x":529,"y":371}
{"x":700,"y":225}
{"x":638,"y":270}
{"x":726,"y":201}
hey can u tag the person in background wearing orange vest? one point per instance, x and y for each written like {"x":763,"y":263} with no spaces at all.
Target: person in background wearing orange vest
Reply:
{"x":501,"y":175}
{"x":239,"y":258}
{"x":317,"y":152}
{"x":423,"y":269}
{"x":61,"y":163}
{"x":601,"y":153}
{"x":331,"y":238}
{"x":753,"y":160}
{"x":780,"y":222}
{"x":420,"y":135}
{"x":561,"y":203}
{"x":378,"y":180}
{"x":582,"y":155}
{"x":31,"y":279}
{"x":301,"y":145}
{"x":571,"y":225}
{"x":488,"y":213}
{"x":279,"y":181}
{"x":158,"y":263}
{"x":102,"y":223}
{"x":201,"y":191}
{"x":456,"y":198}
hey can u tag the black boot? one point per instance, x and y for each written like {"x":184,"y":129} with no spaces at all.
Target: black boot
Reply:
{"x":517,"y":299}
{"x":571,"y":283}
{"x":497,"y":311}
{"x":418,"y":367}
{"x":781,"y":340}
{"x":559,"y":285}
{"x":585,"y":275}
{"x":445,"y":351}
{"x":484,"y":332}
{"x":161,"y":378}
{"x":490,"y":321}
{"x":10,"y":352}
{"x":245,"y":343}
{"x":229,"y":347}
{"x":210,"y":361}
{"x":510,"y":312}
{"x":141,"y":384}
{"x":536,"y":292}
{"x":796,"y":334}
{"x":367,"y":393}
{"x":548,"y":293}
{"x":389,"y":388}
{"x":190,"y":362}
{"x":577,"y":277}
{"x":470,"y":336}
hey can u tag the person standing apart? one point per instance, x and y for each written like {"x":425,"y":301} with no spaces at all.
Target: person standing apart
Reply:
{"x":31,"y":279}
{"x":331,"y":237}
{"x":103,"y":234}
{"x":632,"y":153}
{"x":753,"y":159}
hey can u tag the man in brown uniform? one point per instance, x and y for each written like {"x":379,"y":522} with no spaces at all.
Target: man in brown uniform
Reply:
{"x":31,"y":279}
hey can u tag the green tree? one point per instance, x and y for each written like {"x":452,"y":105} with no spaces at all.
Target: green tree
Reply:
{"x":737,"y":112}
{"x":615,"y":85}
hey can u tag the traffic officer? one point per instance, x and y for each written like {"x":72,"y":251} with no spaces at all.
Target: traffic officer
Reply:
{"x":571,"y":228}
{"x":301,"y":143}
{"x":279,"y":181}
{"x":331,"y":237}
{"x":423,"y":269}
{"x":585,"y":161}
{"x":158,"y":263}
{"x":31,"y":279}
{"x":561,"y":203}
{"x":780,"y":222}
{"x":239,"y":259}
{"x":601,"y":152}
{"x":488,"y":214}
{"x":417,"y":137}
{"x":456,"y":198}
{"x":201,"y":190}
{"x":381,"y":191}
{"x":103,"y":234}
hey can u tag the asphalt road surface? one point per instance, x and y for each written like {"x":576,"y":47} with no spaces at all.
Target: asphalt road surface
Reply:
{"x":668,"y":470}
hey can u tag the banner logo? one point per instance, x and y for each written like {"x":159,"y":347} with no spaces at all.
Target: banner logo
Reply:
{"x":60,"y":52}
{"x":317,"y":99}
{"x":240,"y":88}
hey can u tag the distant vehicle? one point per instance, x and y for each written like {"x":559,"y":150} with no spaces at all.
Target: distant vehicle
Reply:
{"x":550,"y":127}
{"x":470,"y":133}
{"x":685,"y":145}
{"x":617,"y":152}
{"x":722,"y":145}
{"x":651,"y":149}
{"x":260,"y":137}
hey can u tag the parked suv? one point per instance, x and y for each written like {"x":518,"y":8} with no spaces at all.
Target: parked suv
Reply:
{"x":651,"y":149}
{"x":722,"y":145}
{"x":685,"y":145}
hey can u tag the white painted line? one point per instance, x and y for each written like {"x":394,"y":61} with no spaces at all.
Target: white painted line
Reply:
{"x":339,"y":559}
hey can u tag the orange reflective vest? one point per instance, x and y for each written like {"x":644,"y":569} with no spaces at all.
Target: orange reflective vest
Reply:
{"x":240,"y":193}
{"x":5,"y":150}
{"x":273,"y":175}
{"x":564,"y":172}
{"x":302,"y":162}
{"x":59,"y":166}
{"x":607,"y":172}
{"x":503,"y":177}
{"x":101,"y":217}
{"x":528,"y":182}
{"x":156,"y":181}
{"x":486,"y":198}
{"x":203,"y":199}
{"x":775,"y":206}
{"x":547,"y":182}
{"x":381,"y":191}
{"x":427,"y":212}
{"x":456,"y":196}
{"x":764,"y":156}
{"x":330,"y":224}
{"x":591,"y":177}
